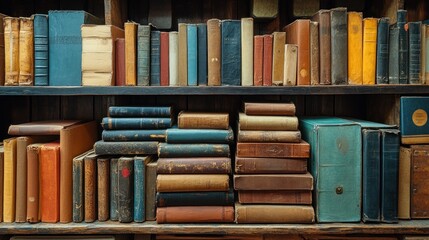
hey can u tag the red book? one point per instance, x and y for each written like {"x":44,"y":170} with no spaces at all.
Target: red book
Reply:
{"x":268,"y":60}
{"x":120,"y":62}
{"x":258,"y":58}
{"x":50,"y":182}
{"x":164,"y":59}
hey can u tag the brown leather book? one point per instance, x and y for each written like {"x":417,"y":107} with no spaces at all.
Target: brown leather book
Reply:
{"x":258,"y":59}
{"x":214,"y":237}
{"x":49,"y":127}
{"x":279,"y":40}
{"x":273,"y":182}
{"x":419,"y":181}
{"x":11,"y":48}
{"x":202,"y":120}
{"x":314,"y":53}
{"x":213,"y":52}
{"x":164,"y":75}
{"x":183,"y":54}
{"x":275,"y":150}
{"x":151,"y":191}
{"x":195,"y":214}
{"x":270,"y":109}
{"x":50,"y":182}
{"x":193,"y":165}
{"x":33,"y":182}
{"x":275,"y":197}
{"x":120,"y":62}
{"x":298,"y":32}
{"x":267,"y":71}
{"x":103,"y":180}
{"x":270,"y":165}
{"x":21,"y":178}
{"x":273,"y":213}
{"x":1,"y":179}
{"x":192,"y":182}
{"x":404,"y":184}
{"x":324,"y":19}
{"x":268,"y":136}
{"x":2,"y":51}
{"x":90,"y":187}
{"x":130,"y":53}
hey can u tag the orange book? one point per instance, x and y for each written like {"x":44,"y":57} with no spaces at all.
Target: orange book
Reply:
{"x":369,"y":50}
{"x":354,"y":35}
{"x":50,"y":182}
{"x":130,"y":53}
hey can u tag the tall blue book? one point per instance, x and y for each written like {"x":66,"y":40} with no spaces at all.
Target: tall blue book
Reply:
{"x":394,"y":55}
{"x":155,"y":58}
{"x":41,"y":50}
{"x":403,"y":46}
{"x":414,"y":37}
{"x":202,"y":54}
{"x":335,"y":163}
{"x":192,"y":55}
{"x":65,"y":46}
{"x":382,"y":66}
{"x":113,"y":191}
{"x":231,"y":52}
{"x":140,"y":187}
{"x":143,"y":55}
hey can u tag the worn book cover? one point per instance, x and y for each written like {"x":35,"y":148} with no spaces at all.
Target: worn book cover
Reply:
{"x":79,"y":186}
{"x":278,"y":57}
{"x":324,"y":19}
{"x":130,"y":31}
{"x":354,"y":37}
{"x":251,"y":165}
{"x":195,"y":214}
{"x":264,"y":213}
{"x":247,"y":52}
{"x":26,"y":51}
{"x":192,"y":182}
{"x":169,"y":199}
{"x":11,"y":48}
{"x":277,"y":123}
{"x":299,"y":197}
{"x":213,"y":52}
{"x":177,"y":135}
{"x":166,"y":150}
{"x":194,"y":165}
{"x":125,"y":189}
{"x":414,"y":124}
{"x":41,"y":53}
{"x":125,"y":148}
{"x":9,"y":179}
{"x":140,"y":163}
{"x":369,"y":50}
{"x":50,"y":182}
{"x":203,"y":120}
{"x":231,"y":52}
{"x":274,"y":150}
{"x":418,"y":181}
{"x":103,"y":180}
{"x":273,"y":182}
{"x":90,"y":187}
{"x":120,"y":62}
{"x":339,"y":51}
{"x":258,"y":60}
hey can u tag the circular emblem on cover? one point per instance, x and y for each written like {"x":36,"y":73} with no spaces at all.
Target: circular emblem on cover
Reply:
{"x":420,"y":117}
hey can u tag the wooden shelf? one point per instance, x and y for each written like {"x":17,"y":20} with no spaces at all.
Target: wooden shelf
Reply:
{"x":403,"y":227}
{"x":221,"y":90}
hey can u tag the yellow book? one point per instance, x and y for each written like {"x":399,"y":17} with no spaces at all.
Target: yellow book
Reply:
{"x":369,"y":50}
{"x":11,"y":46}
{"x":279,"y":40}
{"x":354,"y":35}
{"x":130,"y":53}
{"x":9,"y":179}
{"x":26,"y":52}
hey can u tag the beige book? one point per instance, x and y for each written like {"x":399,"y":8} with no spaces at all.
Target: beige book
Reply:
{"x":279,"y":40}
{"x":247,"y":51}
{"x":173,"y":58}
{"x":213,"y":52}
{"x":286,"y":123}
{"x":26,"y":52}
{"x":290,"y":64}
{"x":183,"y":55}
{"x":130,"y":53}
{"x":404,"y":183}
{"x":97,"y":62}
{"x":2,"y":49}
{"x":11,"y":46}
{"x":96,"y":79}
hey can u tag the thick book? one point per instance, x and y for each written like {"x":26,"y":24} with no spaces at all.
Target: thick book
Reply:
{"x":277,"y":75}
{"x":324,"y":19}
{"x":33,"y":179}
{"x":182,"y":54}
{"x":270,"y":165}
{"x":300,"y":197}
{"x":125,"y":189}
{"x":122,"y":111}
{"x":267,"y":71}
{"x":268,"y":136}
{"x":173,"y":59}
{"x":26,"y":51}
{"x":11,"y":49}
{"x":135,"y":123}
{"x":273,"y":182}
{"x":298,"y":32}
{"x":354,"y":45}
{"x":401,"y":18}
{"x":393,"y":55}
{"x":339,"y":46}
{"x":65,"y":46}
{"x":414,"y":52}
{"x":413,"y":120}
{"x":192,"y":182}
{"x":404,"y":182}
{"x":130,"y":29}
{"x":261,"y":213}
{"x":202,"y":54}
{"x":113,"y":191}
{"x":269,"y":109}
{"x":314,"y":53}
{"x":9,"y":179}
{"x":50,"y":182}
{"x":125,"y":148}
{"x":155,"y":58}
{"x":139,"y":212}
{"x":193,"y":165}
{"x":195,"y":214}
{"x":143,"y":55}
{"x":170,"y":199}
{"x":336,"y":151}
{"x":40,"y":127}
{"x":290,"y":65}
{"x":164,"y":53}
{"x":120,"y":62}
{"x":369,"y":50}
{"x":1,"y":179}
{"x":90,"y":187}
{"x":258,"y":60}
{"x":213,"y":52}
{"x":166,"y":150}
{"x":246,"y":52}
{"x":150,"y":203}
{"x":203,"y":120}
{"x":275,"y":150}
{"x":102,"y":190}
{"x":418,"y":181}
{"x":79,"y":187}
{"x":382,"y":65}
{"x":231,"y":52}
{"x":177,"y":135}
{"x":133,"y":135}
{"x":275,"y":123}
{"x":192,"y":41}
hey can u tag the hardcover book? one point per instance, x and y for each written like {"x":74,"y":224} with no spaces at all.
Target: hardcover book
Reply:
{"x":339,"y":46}
{"x":195,"y":214}
{"x":268,"y":61}
{"x":120,"y":62}
{"x":78,"y":187}
{"x":177,"y":135}
{"x":102,"y":190}
{"x":50,"y":182}
{"x":125,"y":148}
{"x":216,"y":165}
{"x":122,"y":111}
{"x":274,"y":150}
{"x":231,"y":52}
{"x":314,"y":53}
{"x":151,"y":191}
{"x":33,"y":179}
{"x":90,"y":187}
{"x":143,"y":55}
{"x":125,"y":189}
{"x":201,"y":120}
{"x":413,"y":120}
{"x":273,"y":182}
{"x":202,"y":54}
{"x":394,"y":55}
{"x":114,"y":191}
{"x":403,"y":46}
{"x":324,"y":19}
{"x":166,"y":150}
{"x":9,"y":179}
{"x":2,"y":51}
{"x":414,"y":50}
{"x":382,"y":66}
{"x":155,"y":57}
{"x":182,"y":54}
{"x":170,"y":199}
{"x":268,"y":136}
{"x":274,"y":123}
{"x":135,"y":123}
{"x":192,"y":182}
{"x":247,"y":51}
{"x":264,"y":213}
{"x":26,"y":51}
{"x":213,"y":52}
{"x":140,"y":163}
{"x":164,"y":68}
{"x":133,"y":135}
{"x":130,"y":30}
{"x":354,"y":44}
{"x":418,"y":180}
{"x":269,"y":109}
{"x":258,"y":60}
{"x":192,"y":41}
{"x":290,"y":65}
{"x":270,"y":165}
{"x":173,"y":59}
{"x":278,"y":49}
{"x":11,"y":48}
{"x":296,"y":197}
{"x":369,"y":50}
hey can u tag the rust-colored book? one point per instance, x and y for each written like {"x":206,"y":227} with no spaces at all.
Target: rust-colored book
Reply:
{"x":275,"y":150}
{"x":419,"y":181}
{"x":276,"y":123}
{"x":324,"y":19}
{"x":273,"y":213}
{"x":273,"y":182}
{"x":50,"y":182}
{"x":164,"y":75}
{"x":267,"y":71}
{"x":202,"y":165}
{"x":270,"y":109}
{"x":275,"y":197}
{"x":270,"y":165}
{"x":195,"y":120}
{"x":213,"y":52}
{"x":298,"y":32}
{"x":195,"y":214}
{"x":192,"y":182}
{"x":268,"y":136}
{"x":258,"y":59}
{"x":90,"y":187}
{"x":50,"y":127}
{"x":103,"y":180}
{"x":120,"y":62}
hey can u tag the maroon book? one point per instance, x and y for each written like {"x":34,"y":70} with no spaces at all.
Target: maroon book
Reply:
{"x":268,"y":60}
{"x":258,"y":58}
{"x":164,"y":59}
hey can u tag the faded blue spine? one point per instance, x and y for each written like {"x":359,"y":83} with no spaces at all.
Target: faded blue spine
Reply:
{"x":193,"y":150}
{"x":192,"y":55}
{"x":394,"y":55}
{"x":414,"y":34}
{"x":140,"y":111}
{"x":382,"y":66}
{"x":125,"y":148}
{"x":155,"y":58}
{"x":143,"y":55}
{"x":139,"y":189}
{"x":202,"y":54}
{"x":125,"y":189}
{"x":135,"y":123}
{"x":114,"y":189}
{"x":403,"y":46}
{"x":133,"y":135}
{"x":41,"y":50}
{"x":176,"y":135}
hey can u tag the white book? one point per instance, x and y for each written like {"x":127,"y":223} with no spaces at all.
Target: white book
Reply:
{"x":247,"y":51}
{"x":173,"y":59}
{"x":290,"y":64}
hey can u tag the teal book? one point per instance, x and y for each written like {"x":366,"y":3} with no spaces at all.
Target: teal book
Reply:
{"x":382,"y":66}
{"x":135,"y":123}
{"x":65,"y":46}
{"x":41,"y":50}
{"x":125,"y":148}
{"x":176,"y":135}
{"x":133,"y":135}
{"x":166,"y":199}
{"x":231,"y":52}
{"x":140,"y":187}
{"x":192,"y":39}
{"x":166,"y":150}
{"x":113,"y":193}
{"x":155,"y":58}
{"x":335,"y":164}
{"x":119,"y":111}
{"x":202,"y":54}
{"x":143,"y":55}
{"x":414,"y":118}
{"x":414,"y":51}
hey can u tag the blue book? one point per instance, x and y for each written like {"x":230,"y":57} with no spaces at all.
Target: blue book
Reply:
{"x":165,"y":199}
{"x":133,"y":135}
{"x":113,"y":193}
{"x":192,"y":55}
{"x":135,"y":123}
{"x":403,"y":46}
{"x":167,"y":150}
{"x":335,"y":163}
{"x":155,"y":58}
{"x":176,"y":135}
{"x":65,"y":46}
{"x":394,"y":55}
{"x":41,"y":50}
{"x":143,"y":55}
{"x":231,"y":52}
{"x":382,"y":66}
{"x":414,"y":124}
{"x":140,"y":187}
{"x":414,"y":36}
{"x":140,"y":111}
{"x":202,"y":54}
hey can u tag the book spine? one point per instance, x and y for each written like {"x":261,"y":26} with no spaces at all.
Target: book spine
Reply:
{"x":339,"y":46}
{"x":259,"y":213}
{"x":164,"y":44}
{"x":355,"y":47}
{"x":120,"y":62}
{"x":314,"y":53}
{"x":202,"y":54}
{"x":268,"y":136}
{"x":427,"y":54}
{"x":175,"y":135}
{"x":139,"y":190}
{"x":135,"y":123}
{"x":276,"y":150}
{"x":403,"y":47}
{"x":125,"y":189}
{"x":155,"y":65}
{"x":247,"y":51}
{"x":133,"y":135}
{"x":11,"y":46}
{"x":203,"y":121}
{"x":21,"y":179}
{"x":26,"y":52}
{"x":270,"y":109}
{"x":193,"y":165}
{"x":418,"y":180}
{"x":404,"y":184}
{"x":414,"y":34}
{"x":150,"y":204}
{"x":199,"y":214}
{"x":270,"y":165}
{"x":290,"y":182}
{"x":382,"y":66}
{"x":103,"y":179}
{"x":113,"y":192}
{"x":324,"y":19}
{"x":213,"y":52}
{"x":41,"y":45}
{"x":423,"y":58}
{"x":33,"y":183}
{"x":143,"y":55}
{"x":303,"y":64}
{"x":290,"y":64}
{"x":274,"y":197}
{"x":192,"y":41}
{"x":369,"y":50}
{"x":231,"y":52}
{"x":195,"y":150}
{"x":9,"y":179}
{"x":192,"y":182}
{"x":258,"y":60}
{"x":265,"y":123}
{"x":279,"y":40}
{"x":78,"y":190}
{"x":90,"y":188}
{"x":125,"y":148}
{"x":140,"y":111}
{"x":130,"y":53}
{"x":394,"y":55}
{"x":173,"y":59}
{"x":183,"y":54}
{"x":50,"y":182}
{"x":169,"y":199}
{"x":267,"y":61}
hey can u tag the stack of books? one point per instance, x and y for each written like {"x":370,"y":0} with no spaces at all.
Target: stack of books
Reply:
{"x":271,"y":166}
{"x":193,"y":182}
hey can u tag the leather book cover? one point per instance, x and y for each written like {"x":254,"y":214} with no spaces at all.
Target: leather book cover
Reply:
{"x":290,"y":65}
{"x":192,"y":41}
{"x":277,"y":123}
{"x":203,"y":120}
{"x":21,"y":178}
{"x":125,"y":148}
{"x":279,"y":40}
{"x":102,"y":190}
{"x":270,"y":165}
{"x":164,"y":74}
{"x":1,"y":179}
{"x":247,"y":52}
{"x":426,"y":61}
{"x":143,"y":55}
{"x":404,"y":182}
{"x":79,"y":187}
{"x":140,"y":163}
{"x":140,"y":112}
{"x":355,"y":48}
{"x":213,"y":52}
{"x":120,"y":62}
{"x":418,"y":178}
{"x":90,"y":187}
{"x":183,"y":54}
{"x":268,"y":136}
{"x":269,"y":109}
{"x":155,"y":58}
{"x":273,"y":182}
{"x":195,"y":214}
{"x":298,"y":32}
{"x":49,"y":127}
{"x":231,"y":52}
{"x":299,"y":197}
{"x":314,"y":54}
{"x":166,"y":150}
{"x":135,"y":123}
{"x":9,"y":179}
{"x":202,"y":54}
{"x":150,"y":203}
{"x":369,"y":50}
{"x":192,"y":182}
{"x":173,"y":58}
{"x":130,"y":29}
{"x":263,"y":9}
{"x":394,"y":54}
{"x":382,"y":65}
{"x":113,"y":190}
{"x":133,"y":135}
{"x":177,"y":135}
{"x":267,"y":71}
{"x":275,"y":150}
{"x":324,"y":19}
{"x":169,"y":199}
{"x":11,"y":46}
{"x":339,"y":46}
{"x":413,"y":118}
{"x":258,"y":60}
{"x":125,"y":189}
{"x":261,"y":213}
{"x":2,"y":52}
{"x":403,"y":46}
{"x":414,"y":50}
{"x":423,"y":57}
{"x":26,"y":52}
{"x":50,"y":182}
{"x":194,"y":165}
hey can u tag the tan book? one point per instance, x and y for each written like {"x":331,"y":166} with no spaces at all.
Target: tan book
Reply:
{"x":275,"y":150}
{"x":103,"y":180}
{"x":269,"y":109}
{"x":195,"y":120}
{"x":258,"y":165}
{"x":274,"y":197}
{"x":273,"y":182}
{"x":183,"y":55}
{"x":247,"y":51}
{"x":279,"y":40}
{"x":268,"y":136}
{"x":192,"y":182}
{"x":314,"y":54}
{"x":26,"y":51}
{"x":273,"y":213}
{"x":130,"y":53}
{"x":21,"y":178}
{"x":2,"y":51}
{"x":11,"y":46}
{"x":213,"y":52}
{"x":404,"y":184}
{"x":9,"y":179}
{"x":285,"y":123}
{"x":1,"y":179}
{"x":290,"y":64}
